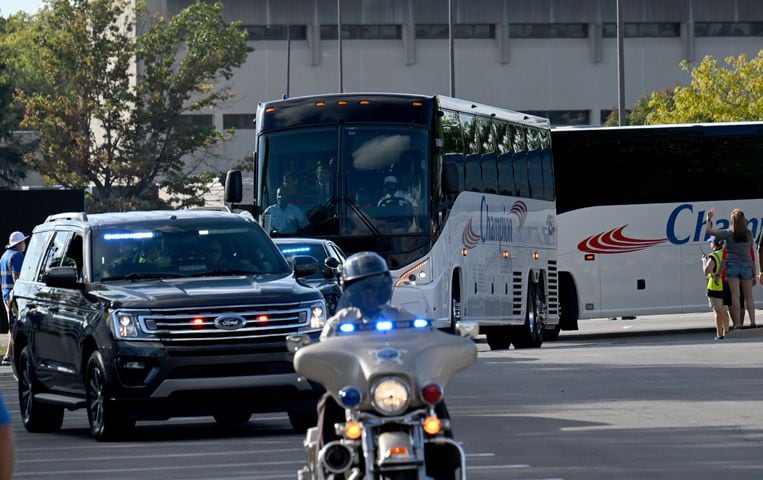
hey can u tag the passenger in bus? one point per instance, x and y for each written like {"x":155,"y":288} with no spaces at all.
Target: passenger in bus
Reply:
{"x":290,"y":183}
{"x":283,"y":216}
{"x":324,"y":185}
{"x":740,"y":264}
{"x":713,"y":267}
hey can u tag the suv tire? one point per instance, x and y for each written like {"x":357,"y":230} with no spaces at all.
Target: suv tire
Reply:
{"x":105,"y":418}
{"x":36,"y":416}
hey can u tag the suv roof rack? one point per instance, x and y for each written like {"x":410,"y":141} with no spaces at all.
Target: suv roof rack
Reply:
{"x":81,"y":216}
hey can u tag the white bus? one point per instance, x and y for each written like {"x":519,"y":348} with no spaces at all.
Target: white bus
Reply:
{"x":458,"y":197}
{"x":630,"y":205}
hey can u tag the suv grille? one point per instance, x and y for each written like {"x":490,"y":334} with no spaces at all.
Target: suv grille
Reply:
{"x":223,"y":323}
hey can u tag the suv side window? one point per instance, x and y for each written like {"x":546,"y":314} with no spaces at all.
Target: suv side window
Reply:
{"x":74,"y":256}
{"x":55,"y":254}
{"x":37,"y":245}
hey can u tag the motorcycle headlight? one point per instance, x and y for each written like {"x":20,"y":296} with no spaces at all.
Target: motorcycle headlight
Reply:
{"x":390,"y":396}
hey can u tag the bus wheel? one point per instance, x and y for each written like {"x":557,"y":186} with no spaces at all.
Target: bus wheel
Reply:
{"x":530,"y":335}
{"x":552,"y":334}
{"x":455,"y":304}
{"x":498,"y":338}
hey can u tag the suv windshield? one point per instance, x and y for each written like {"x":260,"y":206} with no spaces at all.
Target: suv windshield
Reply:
{"x":181,"y":249}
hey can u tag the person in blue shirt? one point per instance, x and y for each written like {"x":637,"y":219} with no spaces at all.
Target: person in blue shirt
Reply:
{"x":7,"y":447}
{"x":10,"y":268}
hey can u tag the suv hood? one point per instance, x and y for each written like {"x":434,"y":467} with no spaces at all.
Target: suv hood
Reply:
{"x":203,"y":291}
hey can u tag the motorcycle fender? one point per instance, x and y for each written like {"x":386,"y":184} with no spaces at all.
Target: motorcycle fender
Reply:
{"x":394,"y":448}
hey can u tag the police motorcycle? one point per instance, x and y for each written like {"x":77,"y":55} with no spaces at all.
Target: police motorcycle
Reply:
{"x":386,"y":372}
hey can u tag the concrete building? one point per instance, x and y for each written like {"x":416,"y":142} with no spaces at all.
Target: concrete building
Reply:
{"x":556,"y":58}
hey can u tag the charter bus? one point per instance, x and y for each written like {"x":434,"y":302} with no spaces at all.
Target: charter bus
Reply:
{"x":458,"y":197}
{"x":630,"y":204}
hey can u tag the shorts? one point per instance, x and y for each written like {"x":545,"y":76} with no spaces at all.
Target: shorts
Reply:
{"x":715,"y":302}
{"x":739,"y":270}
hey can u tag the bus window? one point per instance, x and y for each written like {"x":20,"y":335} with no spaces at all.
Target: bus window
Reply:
{"x":521,"y":179}
{"x":452,"y":133}
{"x":471,"y":133}
{"x":486,"y":135}
{"x":473,"y":173}
{"x":489,"y":173}
{"x":505,"y":175}
{"x":548,"y":166}
{"x":502,"y":136}
{"x":534,"y":164}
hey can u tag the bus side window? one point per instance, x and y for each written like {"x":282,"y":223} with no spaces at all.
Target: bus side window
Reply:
{"x":505,"y":174}
{"x":489,"y":173}
{"x":473,"y":173}
{"x":548,"y":166}
{"x":534,"y":164}
{"x":519,"y":162}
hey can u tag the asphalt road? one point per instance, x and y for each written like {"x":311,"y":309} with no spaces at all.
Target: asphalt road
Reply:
{"x":654,"y":398}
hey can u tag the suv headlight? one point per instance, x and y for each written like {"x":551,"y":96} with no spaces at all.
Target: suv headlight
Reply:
{"x":317,"y":314}
{"x":126,"y":326}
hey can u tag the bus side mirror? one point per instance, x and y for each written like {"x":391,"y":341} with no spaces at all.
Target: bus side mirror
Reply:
{"x":450,"y":179}
{"x":233,"y":187}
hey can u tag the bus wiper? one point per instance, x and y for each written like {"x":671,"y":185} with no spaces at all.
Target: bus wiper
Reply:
{"x":368,"y":223}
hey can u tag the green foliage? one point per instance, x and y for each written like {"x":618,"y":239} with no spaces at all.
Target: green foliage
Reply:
{"x":12,"y":146}
{"x":104,"y":122}
{"x":717,"y":93}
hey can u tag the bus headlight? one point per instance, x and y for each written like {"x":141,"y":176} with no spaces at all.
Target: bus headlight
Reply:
{"x":390,"y":396}
{"x":419,"y":274}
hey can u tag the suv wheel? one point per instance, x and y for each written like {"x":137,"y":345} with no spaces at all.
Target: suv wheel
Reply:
{"x":36,"y":416}
{"x":106,"y":420}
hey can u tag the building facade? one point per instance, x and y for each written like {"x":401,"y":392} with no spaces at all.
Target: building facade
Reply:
{"x":556,"y":58}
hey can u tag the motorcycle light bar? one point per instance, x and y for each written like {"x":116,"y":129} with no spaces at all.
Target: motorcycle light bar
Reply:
{"x":383,"y":325}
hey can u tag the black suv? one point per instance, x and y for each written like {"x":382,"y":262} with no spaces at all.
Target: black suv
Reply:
{"x":152,"y":315}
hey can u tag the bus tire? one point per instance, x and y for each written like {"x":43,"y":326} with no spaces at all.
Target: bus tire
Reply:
{"x":498,"y":338}
{"x":530,"y":335}
{"x":455,"y":303}
{"x":568,"y":303}
{"x":552,"y":334}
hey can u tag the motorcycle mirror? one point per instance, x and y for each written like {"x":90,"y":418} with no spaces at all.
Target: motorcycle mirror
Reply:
{"x":295,"y":342}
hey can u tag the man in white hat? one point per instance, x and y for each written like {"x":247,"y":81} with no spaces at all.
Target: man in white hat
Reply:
{"x":10,"y":268}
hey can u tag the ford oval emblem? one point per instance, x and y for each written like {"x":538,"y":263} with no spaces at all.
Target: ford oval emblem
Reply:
{"x":230,"y":322}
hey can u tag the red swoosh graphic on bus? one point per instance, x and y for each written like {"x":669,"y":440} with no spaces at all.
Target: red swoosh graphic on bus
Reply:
{"x":614,"y":241}
{"x":470,"y":237}
{"x":520,"y":210}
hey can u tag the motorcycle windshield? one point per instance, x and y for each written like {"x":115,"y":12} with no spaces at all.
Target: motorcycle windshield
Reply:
{"x":419,"y":356}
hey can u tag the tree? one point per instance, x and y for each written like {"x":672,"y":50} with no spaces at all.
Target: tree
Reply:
{"x":12,"y":148}
{"x":111,"y":113}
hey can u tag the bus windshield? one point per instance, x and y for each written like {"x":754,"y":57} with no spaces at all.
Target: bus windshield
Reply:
{"x":349,"y":180}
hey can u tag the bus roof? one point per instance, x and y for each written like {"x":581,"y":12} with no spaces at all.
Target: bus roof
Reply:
{"x":311,"y":109}
{"x":717,"y":127}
